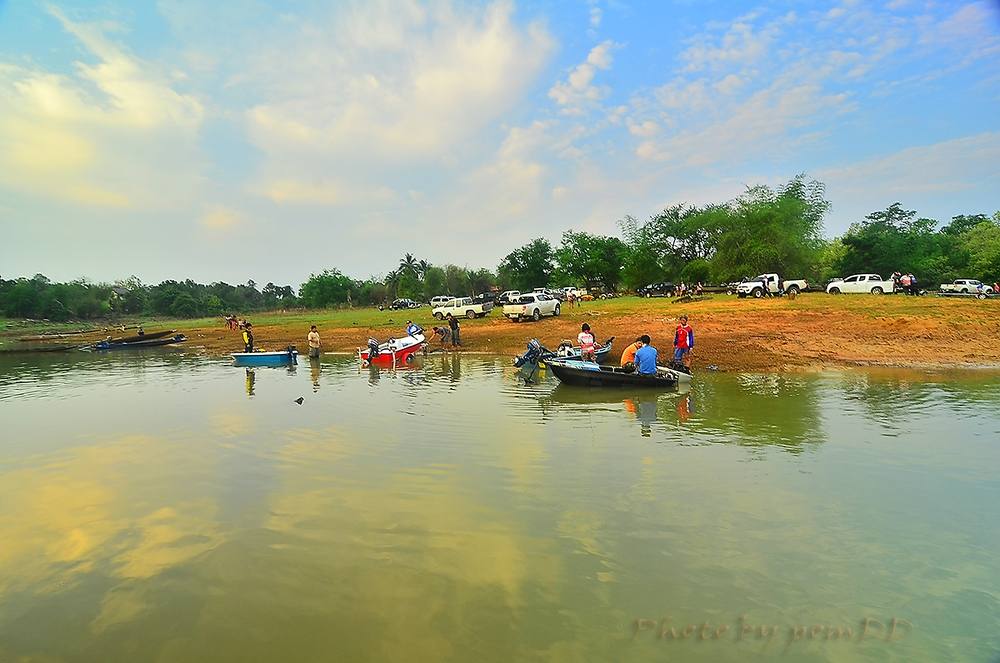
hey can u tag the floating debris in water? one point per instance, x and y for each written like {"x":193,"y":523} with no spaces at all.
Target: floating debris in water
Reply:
{"x":299,"y":400}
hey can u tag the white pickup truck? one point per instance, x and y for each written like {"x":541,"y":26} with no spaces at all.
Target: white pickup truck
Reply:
{"x":531,"y":306}
{"x":965,"y":286}
{"x":755,"y":287}
{"x":460,"y":306}
{"x":861,"y":283}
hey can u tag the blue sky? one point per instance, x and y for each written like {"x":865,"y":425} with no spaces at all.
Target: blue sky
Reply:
{"x":227,"y":141}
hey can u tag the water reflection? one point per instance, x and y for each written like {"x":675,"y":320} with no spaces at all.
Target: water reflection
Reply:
{"x":470,"y":513}
{"x":251,"y":377}
{"x":314,"y":368}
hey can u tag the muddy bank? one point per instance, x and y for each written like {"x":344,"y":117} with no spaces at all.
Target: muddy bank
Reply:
{"x":769,"y":335}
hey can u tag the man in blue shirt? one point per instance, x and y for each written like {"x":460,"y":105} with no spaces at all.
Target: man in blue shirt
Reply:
{"x":412,"y":329}
{"x":645,"y":357}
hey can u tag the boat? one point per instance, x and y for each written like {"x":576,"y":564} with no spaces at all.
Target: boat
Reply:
{"x":590,"y":374}
{"x":140,"y":337}
{"x":144,"y":343}
{"x":277,"y":358}
{"x":572,"y":353}
{"x":395,"y":350}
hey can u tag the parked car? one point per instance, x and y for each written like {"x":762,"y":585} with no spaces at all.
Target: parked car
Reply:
{"x":755,"y":287}
{"x":557,"y":294}
{"x":861,"y":283}
{"x":403,"y":303}
{"x":440,"y":299}
{"x":462,"y":306}
{"x":661,"y":289}
{"x":486,"y":297}
{"x":508,"y":296}
{"x":965,"y":286}
{"x":532,"y":307}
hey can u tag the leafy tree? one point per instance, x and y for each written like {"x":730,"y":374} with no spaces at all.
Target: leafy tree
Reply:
{"x":530,"y":266}
{"x":591,"y":259}
{"x":329,"y":288}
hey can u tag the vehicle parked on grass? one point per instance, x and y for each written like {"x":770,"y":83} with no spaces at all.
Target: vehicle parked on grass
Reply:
{"x":462,"y":306}
{"x":551,"y":292}
{"x":508,"y":296}
{"x":661,"y":289}
{"x":861,"y":283}
{"x":486,"y":298}
{"x":440,"y":299}
{"x":403,"y":303}
{"x":532,"y":307}
{"x":965,"y":286}
{"x":775,"y":286}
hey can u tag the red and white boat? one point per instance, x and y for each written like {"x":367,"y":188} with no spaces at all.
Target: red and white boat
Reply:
{"x":395,"y":350}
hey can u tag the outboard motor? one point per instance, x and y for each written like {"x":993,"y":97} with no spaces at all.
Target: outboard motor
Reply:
{"x":372,"y":348}
{"x":533,"y":354}
{"x":565,"y":349}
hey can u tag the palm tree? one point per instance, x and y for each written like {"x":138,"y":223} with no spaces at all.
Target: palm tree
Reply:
{"x":392,"y":282}
{"x":422,"y":268}
{"x":408,"y":264}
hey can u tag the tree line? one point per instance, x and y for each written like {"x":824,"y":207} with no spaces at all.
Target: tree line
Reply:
{"x":763,"y":230}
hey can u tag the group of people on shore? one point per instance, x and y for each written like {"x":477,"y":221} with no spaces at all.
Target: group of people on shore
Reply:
{"x":642,"y":357}
{"x":452,"y":333}
{"x":905,"y":282}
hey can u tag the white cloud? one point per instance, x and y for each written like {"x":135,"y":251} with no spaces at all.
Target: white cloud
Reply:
{"x":114,"y":134}
{"x":578,"y":92}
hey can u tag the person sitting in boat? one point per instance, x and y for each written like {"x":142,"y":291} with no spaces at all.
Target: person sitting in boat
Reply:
{"x":413,"y":329}
{"x":628,"y":356}
{"x":645,"y":357}
{"x":247,"y":337}
{"x":588,"y":346}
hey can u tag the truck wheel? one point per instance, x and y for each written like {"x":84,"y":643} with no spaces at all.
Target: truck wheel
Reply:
{"x":793,"y":290}
{"x":834,"y":291}
{"x":877,"y":290}
{"x":439,"y":315}
{"x":758,"y":293}
{"x":965,"y":291}
{"x":470,"y":314}
{"x":536,"y":315}
{"x":649,"y":294}
{"x":556,"y":312}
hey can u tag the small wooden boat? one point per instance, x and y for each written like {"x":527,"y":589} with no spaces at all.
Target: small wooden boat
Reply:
{"x":572,"y":353}
{"x":145,"y":343}
{"x":395,"y":350}
{"x":589,"y":374}
{"x":151,"y":336}
{"x":279,"y":358}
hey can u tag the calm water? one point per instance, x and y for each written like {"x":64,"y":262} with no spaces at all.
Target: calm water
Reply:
{"x":165,"y":507}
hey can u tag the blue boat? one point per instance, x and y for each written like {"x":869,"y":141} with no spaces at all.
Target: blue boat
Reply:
{"x":572,"y":353}
{"x":279,"y":358}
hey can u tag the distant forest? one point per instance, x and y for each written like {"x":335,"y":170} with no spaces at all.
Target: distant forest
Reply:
{"x":762,"y":230}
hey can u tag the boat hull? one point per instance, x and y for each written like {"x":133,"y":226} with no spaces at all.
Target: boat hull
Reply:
{"x":399,"y":351}
{"x":588,"y":374}
{"x":283,"y":358}
{"x":148,"y":343}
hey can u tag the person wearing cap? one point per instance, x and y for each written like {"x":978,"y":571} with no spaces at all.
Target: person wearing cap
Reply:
{"x":412,"y":329}
{"x":247,"y":337}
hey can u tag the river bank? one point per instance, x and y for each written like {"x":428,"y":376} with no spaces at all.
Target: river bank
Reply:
{"x":814,"y":330}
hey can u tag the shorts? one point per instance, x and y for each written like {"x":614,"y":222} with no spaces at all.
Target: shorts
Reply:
{"x":314,"y":352}
{"x":680,"y":352}
{"x":588,"y":355}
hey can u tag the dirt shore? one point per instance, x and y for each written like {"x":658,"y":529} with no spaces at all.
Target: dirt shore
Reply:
{"x":815,"y":330}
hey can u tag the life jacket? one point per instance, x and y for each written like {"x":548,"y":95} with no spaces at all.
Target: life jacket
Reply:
{"x":586,"y":341}
{"x":246,"y":337}
{"x":681,"y":336}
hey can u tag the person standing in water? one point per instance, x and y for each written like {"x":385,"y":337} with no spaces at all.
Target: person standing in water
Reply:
{"x":683,"y":343}
{"x":247,"y":337}
{"x":313,"y":339}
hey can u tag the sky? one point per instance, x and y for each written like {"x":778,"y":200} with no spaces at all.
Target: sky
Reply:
{"x":267,"y":141}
